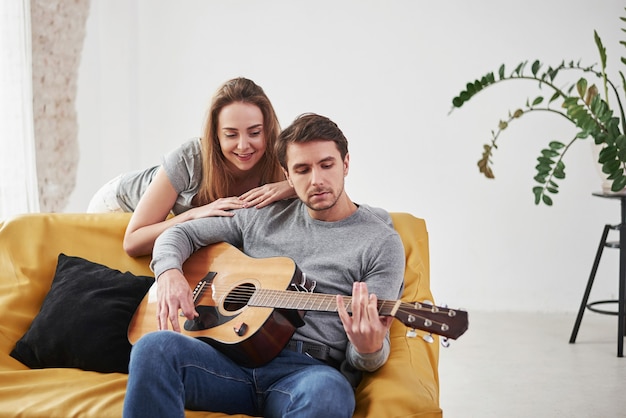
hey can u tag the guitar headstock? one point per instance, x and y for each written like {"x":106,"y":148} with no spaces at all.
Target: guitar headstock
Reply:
{"x":449,"y":323}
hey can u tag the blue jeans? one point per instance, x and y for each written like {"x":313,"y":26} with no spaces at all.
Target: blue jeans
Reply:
{"x":169,"y":372}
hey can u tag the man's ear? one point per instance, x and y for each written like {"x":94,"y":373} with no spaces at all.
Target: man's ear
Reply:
{"x":346,"y":165}
{"x":287,"y":177}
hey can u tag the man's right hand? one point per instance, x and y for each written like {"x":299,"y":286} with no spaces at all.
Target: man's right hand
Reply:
{"x":173,"y":294}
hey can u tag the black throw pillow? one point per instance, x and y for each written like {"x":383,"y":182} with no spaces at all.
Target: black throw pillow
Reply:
{"x":83,"y":322}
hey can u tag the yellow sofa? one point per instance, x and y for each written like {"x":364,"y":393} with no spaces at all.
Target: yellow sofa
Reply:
{"x":407,"y":386}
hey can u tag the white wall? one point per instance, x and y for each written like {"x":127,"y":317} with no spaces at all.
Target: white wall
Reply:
{"x":386,"y":72}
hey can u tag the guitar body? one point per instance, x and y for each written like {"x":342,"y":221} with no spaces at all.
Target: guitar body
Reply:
{"x":249,"y":335}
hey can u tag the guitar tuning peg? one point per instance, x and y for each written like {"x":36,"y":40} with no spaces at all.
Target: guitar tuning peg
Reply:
{"x":410,"y":333}
{"x":445,"y":342}
{"x":428,"y":338}
{"x":430,"y":305}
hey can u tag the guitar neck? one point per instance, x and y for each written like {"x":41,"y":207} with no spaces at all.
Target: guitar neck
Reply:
{"x":446,"y":322}
{"x":284,"y":299}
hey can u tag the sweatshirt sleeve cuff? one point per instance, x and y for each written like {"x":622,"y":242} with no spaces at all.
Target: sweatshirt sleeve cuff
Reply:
{"x":370,"y":361}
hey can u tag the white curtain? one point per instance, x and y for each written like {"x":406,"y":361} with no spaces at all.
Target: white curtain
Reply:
{"x":18,"y":171}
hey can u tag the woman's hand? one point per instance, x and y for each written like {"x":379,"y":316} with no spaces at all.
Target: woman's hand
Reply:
{"x":221,"y":207}
{"x":268,"y":193}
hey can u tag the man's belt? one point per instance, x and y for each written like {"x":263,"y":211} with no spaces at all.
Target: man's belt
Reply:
{"x":317,"y":351}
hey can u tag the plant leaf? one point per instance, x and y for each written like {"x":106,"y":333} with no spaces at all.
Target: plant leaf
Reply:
{"x":592,"y":93}
{"x":535,"y":67}
{"x":555,"y":96}
{"x":581,"y":86}
{"x":618,"y":184}
{"x":547,"y":200}
{"x":601,"y":48}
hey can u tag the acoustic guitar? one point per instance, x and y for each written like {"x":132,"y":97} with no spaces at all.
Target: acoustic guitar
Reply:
{"x":250,"y":307}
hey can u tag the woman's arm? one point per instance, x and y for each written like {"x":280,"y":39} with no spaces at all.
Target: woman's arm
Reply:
{"x":150,"y":218}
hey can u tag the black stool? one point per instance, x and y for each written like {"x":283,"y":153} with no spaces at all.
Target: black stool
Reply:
{"x":593,"y":306}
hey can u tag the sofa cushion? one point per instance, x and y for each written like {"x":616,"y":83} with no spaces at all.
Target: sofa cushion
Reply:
{"x":84,"y":318}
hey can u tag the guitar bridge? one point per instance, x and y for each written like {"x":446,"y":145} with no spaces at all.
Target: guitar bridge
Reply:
{"x":203,"y":284}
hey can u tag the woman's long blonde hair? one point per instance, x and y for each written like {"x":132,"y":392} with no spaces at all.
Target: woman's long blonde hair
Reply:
{"x":217,"y":180}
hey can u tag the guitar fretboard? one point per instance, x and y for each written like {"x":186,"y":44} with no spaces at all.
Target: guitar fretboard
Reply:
{"x":269,"y":298}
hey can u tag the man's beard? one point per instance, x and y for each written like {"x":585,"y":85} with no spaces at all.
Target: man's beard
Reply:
{"x":329,"y":205}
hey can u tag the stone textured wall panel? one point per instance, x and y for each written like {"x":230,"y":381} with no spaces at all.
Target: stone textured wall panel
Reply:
{"x":58,"y":32}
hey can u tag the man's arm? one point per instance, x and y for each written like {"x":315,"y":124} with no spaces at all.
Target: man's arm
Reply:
{"x":174,"y":294}
{"x":171,"y":250}
{"x":367,"y":332}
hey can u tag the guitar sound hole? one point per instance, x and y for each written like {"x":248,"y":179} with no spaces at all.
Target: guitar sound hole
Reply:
{"x":239,"y":297}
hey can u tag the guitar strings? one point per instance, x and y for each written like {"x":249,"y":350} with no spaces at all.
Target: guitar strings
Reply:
{"x":243,"y":294}
{"x":304,"y":300}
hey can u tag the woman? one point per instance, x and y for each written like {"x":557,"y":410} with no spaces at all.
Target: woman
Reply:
{"x":232,"y":166}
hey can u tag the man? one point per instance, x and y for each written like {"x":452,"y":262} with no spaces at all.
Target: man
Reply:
{"x":344,"y":247}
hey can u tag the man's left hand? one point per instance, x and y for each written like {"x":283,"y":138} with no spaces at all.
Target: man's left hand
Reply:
{"x":365,"y":328}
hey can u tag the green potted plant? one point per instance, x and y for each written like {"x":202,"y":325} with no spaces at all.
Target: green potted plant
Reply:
{"x":578,"y":102}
